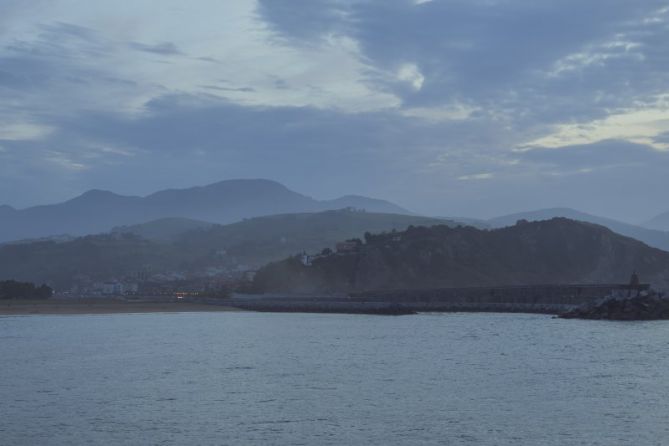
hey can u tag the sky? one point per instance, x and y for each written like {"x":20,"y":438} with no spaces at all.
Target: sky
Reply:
{"x":446,"y":107}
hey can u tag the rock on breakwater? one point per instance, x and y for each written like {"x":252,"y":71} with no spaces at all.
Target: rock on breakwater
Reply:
{"x":647,"y":305}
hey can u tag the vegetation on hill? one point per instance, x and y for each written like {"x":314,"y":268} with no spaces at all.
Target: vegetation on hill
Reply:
{"x":557,"y":251}
{"x":10,"y":289}
{"x":655,"y":238}
{"x":163,"y":229}
{"x":261,"y":240}
{"x":245,"y":245}
{"x":99,"y":257}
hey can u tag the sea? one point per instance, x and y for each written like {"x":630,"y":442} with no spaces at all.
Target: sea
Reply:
{"x":324,"y":379}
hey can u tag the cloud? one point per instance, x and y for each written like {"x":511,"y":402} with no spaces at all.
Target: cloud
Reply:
{"x":165,"y":48}
{"x":178,"y":135}
{"x":23,"y":131}
{"x":476,"y":176}
{"x":61,"y":69}
{"x":219,"y":88}
{"x":410,"y":73}
{"x":508,"y":55}
{"x":642,"y":126}
{"x":188,"y":140}
{"x":303,"y":20}
{"x":618,"y":153}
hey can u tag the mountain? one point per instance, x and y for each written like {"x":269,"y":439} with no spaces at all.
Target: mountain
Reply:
{"x":239,"y":246}
{"x":660,"y":222}
{"x":468,"y":221}
{"x":360,"y":202}
{"x":163,"y":229}
{"x":224,"y":202}
{"x":51,"y":238}
{"x":257,"y":241}
{"x":557,"y":251}
{"x":651,"y":237}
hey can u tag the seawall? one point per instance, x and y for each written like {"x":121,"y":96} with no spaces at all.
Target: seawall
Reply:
{"x":533,"y":299}
{"x":547,"y":299}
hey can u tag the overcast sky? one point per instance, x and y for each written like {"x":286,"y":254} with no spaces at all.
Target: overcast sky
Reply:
{"x":447,"y":107}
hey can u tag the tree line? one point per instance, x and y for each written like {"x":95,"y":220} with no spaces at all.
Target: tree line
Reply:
{"x":11,"y":289}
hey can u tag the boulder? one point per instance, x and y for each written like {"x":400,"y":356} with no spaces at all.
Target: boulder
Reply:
{"x":647,"y":305}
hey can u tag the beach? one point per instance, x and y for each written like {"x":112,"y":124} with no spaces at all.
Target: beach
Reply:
{"x":102,"y":306}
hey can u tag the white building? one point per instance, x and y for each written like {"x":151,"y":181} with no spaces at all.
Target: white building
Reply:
{"x":112,"y":288}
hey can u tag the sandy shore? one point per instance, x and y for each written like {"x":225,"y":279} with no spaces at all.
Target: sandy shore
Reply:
{"x":102,"y":306}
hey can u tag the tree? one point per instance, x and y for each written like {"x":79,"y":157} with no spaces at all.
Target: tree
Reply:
{"x":11,"y":289}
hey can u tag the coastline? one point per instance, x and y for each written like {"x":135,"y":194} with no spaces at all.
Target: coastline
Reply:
{"x":102,"y":306}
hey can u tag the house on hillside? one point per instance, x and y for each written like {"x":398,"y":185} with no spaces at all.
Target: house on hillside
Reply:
{"x":348,"y":247}
{"x":305,"y":259}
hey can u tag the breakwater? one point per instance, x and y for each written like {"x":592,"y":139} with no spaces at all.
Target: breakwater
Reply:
{"x":313,"y":304}
{"x":548,"y":299}
{"x":526,"y":299}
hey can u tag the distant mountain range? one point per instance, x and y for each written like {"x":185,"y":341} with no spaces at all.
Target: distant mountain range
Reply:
{"x":167,"y":214}
{"x":556,"y":251}
{"x":660,"y":222}
{"x":224,"y":202}
{"x":655,"y":238}
{"x":168,"y":228}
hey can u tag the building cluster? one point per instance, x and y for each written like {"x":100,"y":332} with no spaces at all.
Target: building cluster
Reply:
{"x":171,"y":283}
{"x":208,"y":280}
{"x":116,"y":288}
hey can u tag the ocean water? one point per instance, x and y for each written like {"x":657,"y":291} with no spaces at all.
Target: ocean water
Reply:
{"x":309,"y":379}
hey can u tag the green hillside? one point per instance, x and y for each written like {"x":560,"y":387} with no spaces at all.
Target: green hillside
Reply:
{"x":557,"y":251}
{"x":245,"y":245}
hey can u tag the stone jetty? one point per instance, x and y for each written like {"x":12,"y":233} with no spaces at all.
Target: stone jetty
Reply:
{"x":647,"y":305}
{"x":546,"y":299}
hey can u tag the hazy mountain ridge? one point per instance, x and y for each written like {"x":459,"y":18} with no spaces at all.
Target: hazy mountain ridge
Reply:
{"x":655,"y":238}
{"x":360,"y":202}
{"x":224,"y":202}
{"x":557,"y":251}
{"x":247,"y":244}
{"x":660,"y":222}
{"x":163,"y":229}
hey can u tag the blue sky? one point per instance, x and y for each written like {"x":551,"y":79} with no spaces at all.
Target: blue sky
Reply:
{"x":447,"y":107}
